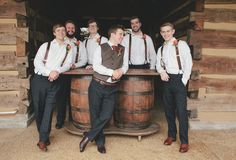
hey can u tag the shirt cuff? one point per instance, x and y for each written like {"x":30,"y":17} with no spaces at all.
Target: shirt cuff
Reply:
{"x":110,"y":72}
{"x":184,"y":81}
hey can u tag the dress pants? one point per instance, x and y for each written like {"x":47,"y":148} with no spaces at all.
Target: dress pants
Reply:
{"x":44,"y":97}
{"x":102,"y":101}
{"x":175,"y":102}
{"x":63,"y":98}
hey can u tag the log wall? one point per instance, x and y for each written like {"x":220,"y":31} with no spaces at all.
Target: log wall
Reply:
{"x":209,"y":27}
{"x":19,"y":40}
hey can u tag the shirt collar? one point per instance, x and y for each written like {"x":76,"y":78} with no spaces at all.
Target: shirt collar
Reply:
{"x":55,"y":42}
{"x":170,"y":42}
{"x":139,"y":35}
{"x":73,"y":40}
{"x":111,"y":44}
{"x":95,"y":37}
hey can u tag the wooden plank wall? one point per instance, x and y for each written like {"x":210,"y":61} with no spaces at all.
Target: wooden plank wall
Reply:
{"x":214,"y":52}
{"x":209,"y":27}
{"x":19,"y":39}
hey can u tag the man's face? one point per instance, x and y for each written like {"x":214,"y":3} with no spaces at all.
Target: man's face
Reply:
{"x":93,"y":28}
{"x":167,"y":33}
{"x":60,"y":33}
{"x":135,"y":25}
{"x":70,"y":30}
{"x":118,"y":36}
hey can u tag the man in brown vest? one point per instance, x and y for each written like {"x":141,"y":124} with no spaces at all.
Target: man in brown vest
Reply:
{"x":109,"y":64}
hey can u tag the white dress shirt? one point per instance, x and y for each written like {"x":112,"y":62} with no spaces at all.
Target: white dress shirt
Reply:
{"x":82,"y":57}
{"x":137,"y":56}
{"x":92,"y":44}
{"x":99,"y":68}
{"x":56,"y":55}
{"x":170,"y":59}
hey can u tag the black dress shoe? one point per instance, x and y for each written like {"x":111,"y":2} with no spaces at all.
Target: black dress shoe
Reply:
{"x":102,"y":149}
{"x":58,"y":126}
{"x":83,"y":143}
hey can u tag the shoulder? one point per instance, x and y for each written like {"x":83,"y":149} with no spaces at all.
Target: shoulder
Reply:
{"x":182,"y":43}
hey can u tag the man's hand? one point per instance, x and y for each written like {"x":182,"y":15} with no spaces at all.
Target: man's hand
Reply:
{"x":117,"y":74}
{"x":53,"y":75}
{"x":73,"y":66}
{"x":89,"y":67}
{"x":165,"y":76}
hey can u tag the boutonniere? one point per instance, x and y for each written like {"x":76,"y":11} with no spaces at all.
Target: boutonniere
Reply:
{"x":78,"y":43}
{"x":175,"y":42}
{"x":144,"y":36}
{"x":68,"y":47}
{"x":99,"y":40}
{"x":120,"y":50}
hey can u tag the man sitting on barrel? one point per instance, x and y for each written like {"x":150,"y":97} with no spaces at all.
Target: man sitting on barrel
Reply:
{"x":109,"y":64}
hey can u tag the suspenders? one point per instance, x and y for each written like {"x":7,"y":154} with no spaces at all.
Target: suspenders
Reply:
{"x":77,"y":54}
{"x":177,"y":56}
{"x":145,"y":45}
{"x":47,"y":51}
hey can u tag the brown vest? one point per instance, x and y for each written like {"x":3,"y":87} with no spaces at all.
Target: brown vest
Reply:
{"x":110,"y":59}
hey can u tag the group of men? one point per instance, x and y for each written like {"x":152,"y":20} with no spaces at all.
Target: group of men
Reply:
{"x":109,"y":59}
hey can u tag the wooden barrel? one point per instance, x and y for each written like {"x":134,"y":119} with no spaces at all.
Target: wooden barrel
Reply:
{"x":135,"y":102}
{"x":79,"y":102}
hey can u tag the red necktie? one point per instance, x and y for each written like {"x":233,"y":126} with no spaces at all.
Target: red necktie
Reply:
{"x":115,"y":48}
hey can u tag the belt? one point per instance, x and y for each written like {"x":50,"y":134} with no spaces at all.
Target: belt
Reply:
{"x":104,"y":83}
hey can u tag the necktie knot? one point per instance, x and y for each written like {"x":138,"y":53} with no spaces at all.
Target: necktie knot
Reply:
{"x":115,"y":48}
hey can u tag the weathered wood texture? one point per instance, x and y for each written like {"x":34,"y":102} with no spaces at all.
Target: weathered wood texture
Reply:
{"x":9,"y":8}
{"x":215,"y":83}
{"x":213,"y":38}
{"x":216,"y":65}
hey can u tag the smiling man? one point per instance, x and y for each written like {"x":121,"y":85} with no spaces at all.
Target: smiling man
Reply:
{"x":142,"y":54}
{"x":174,"y":63}
{"x":52,"y":59}
{"x":109,"y":64}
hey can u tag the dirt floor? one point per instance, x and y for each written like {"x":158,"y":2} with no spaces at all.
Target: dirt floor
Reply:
{"x":20,"y":144}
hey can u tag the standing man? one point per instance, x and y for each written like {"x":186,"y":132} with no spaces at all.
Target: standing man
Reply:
{"x":93,"y":41}
{"x":142,"y":54}
{"x":52,"y":59}
{"x":109,"y":64}
{"x":174,"y":63}
{"x":79,"y":59}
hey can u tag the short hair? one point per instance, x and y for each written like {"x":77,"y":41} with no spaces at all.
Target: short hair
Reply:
{"x":93,"y":20}
{"x":114,"y":28}
{"x":135,"y":17}
{"x":55,"y":26}
{"x":70,"y":21}
{"x":167,"y":24}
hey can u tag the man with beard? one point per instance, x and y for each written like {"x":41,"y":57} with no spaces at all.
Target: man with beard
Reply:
{"x":93,"y":41}
{"x":79,"y":59}
{"x":142,"y":54}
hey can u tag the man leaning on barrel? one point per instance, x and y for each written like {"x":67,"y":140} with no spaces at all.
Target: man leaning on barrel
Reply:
{"x":52,"y":59}
{"x":109,"y":64}
{"x":174,"y":63}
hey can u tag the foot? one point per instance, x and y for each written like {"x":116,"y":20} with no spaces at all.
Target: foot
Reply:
{"x":42,"y":146}
{"x":169,"y":141}
{"x":183,"y":148}
{"x":58,"y":125}
{"x":101,"y":149}
{"x":83,"y":143}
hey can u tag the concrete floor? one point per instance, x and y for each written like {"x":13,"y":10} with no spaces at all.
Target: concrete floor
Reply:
{"x":20,"y":144}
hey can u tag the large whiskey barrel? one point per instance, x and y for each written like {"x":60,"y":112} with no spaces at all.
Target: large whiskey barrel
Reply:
{"x":135,"y":103}
{"x":79,"y":101}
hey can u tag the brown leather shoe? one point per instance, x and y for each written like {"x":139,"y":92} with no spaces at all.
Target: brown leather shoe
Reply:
{"x":183,"y":148}
{"x":102,"y":149}
{"x":42,"y":146}
{"x":169,"y":141}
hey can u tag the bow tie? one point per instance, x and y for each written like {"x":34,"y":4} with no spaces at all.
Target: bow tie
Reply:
{"x":115,"y":48}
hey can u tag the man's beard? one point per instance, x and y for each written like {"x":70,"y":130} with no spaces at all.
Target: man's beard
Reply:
{"x":70,"y":35}
{"x":136,"y":31}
